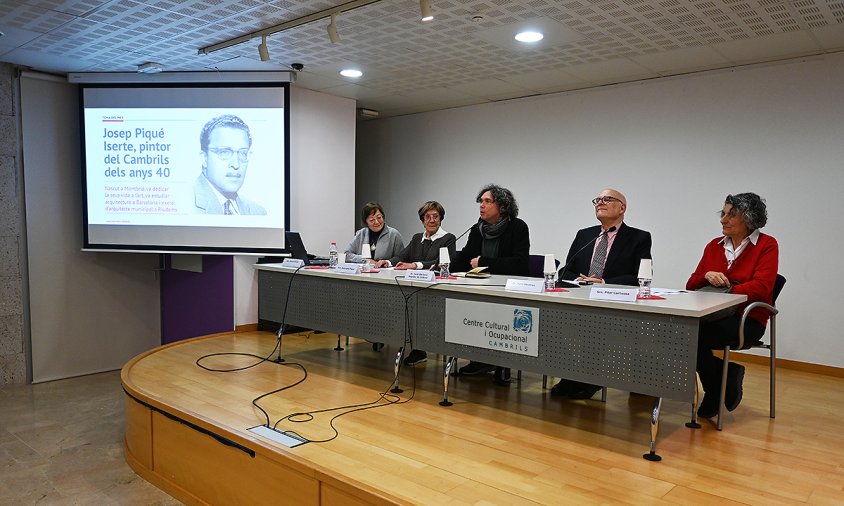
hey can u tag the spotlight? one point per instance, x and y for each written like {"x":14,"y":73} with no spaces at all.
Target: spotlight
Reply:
{"x":351,"y":73}
{"x":150,"y":68}
{"x":425,"y":9}
{"x":333,"y":36}
{"x":263,"y":52}
{"x":529,"y":36}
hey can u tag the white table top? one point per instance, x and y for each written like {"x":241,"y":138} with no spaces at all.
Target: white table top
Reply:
{"x":692,"y":304}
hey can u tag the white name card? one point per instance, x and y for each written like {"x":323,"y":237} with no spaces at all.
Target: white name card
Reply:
{"x":348,"y":268}
{"x":619,"y":294}
{"x":525,"y":285}
{"x":419,"y":275}
{"x":293,"y":263}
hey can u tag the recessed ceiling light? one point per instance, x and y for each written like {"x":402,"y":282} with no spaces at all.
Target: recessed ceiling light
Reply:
{"x":529,"y":36}
{"x":351,"y":73}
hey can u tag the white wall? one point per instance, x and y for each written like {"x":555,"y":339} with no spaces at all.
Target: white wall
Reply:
{"x":676,"y":147}
{"x":92,"y":312}
{"x":89,"y":312}
{"x":322,"y":184}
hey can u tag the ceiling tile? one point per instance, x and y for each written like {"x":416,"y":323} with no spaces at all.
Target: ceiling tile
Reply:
{"x":466,"y":54}
{"x":611,"y":71}
{"x":545,"y":79}
{"x":781,"y":45}
{"x":682,"y":60}
{"x":489,"y":87}
{"x":830,"y":37}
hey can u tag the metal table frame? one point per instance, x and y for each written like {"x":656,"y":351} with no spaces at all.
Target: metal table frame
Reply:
{"x":635,"y":347}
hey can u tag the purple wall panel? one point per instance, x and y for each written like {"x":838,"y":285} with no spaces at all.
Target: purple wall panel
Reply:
{"x":197,"y":303}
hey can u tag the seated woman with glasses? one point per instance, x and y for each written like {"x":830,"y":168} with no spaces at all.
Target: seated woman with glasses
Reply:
{"x":384,"y":241}
{"x":743,"y":261}
{"x":423,"y":252}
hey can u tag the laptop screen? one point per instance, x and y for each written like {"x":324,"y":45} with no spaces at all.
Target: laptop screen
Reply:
{"x":296,"y":246}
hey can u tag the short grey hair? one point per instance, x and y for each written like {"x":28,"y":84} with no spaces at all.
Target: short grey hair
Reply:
{"x":752,"y":208}
{"x":503,"y":197}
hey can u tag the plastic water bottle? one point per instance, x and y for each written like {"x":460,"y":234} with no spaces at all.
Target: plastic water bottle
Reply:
{"x":332,"y":255}
{"x":549,"y":281}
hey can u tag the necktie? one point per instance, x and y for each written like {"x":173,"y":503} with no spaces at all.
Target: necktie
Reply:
{"x":596,"y":269}
{"x":227,"y":207}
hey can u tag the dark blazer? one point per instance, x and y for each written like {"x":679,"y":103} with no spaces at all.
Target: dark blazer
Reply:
{"x":622,"y":265}
{"x":513,"y":251}
{"x":413,"y":251}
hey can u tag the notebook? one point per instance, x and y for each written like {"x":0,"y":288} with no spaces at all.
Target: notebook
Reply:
{"x":297,"y":249}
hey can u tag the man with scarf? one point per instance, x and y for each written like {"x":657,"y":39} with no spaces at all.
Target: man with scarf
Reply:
{"x":500,"y":241}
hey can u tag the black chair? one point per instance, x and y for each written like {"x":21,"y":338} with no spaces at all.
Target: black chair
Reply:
{"x":772,"y":348}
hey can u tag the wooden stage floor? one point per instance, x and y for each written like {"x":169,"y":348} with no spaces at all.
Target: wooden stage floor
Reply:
{"x":187,"y":433}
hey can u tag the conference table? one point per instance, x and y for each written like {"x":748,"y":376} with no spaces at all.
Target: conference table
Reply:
{"x":645,"y":346}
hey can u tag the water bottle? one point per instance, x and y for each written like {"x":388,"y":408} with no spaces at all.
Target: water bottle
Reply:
{"x":332,"y":255}
{"x":549,"y":281}
{"x":444,"y":274}
{"x":644,"y":288}
{"x":444,"y":263}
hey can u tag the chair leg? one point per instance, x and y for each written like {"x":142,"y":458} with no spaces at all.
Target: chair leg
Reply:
{"x":723,"y":386}
{"x":773,"y":353}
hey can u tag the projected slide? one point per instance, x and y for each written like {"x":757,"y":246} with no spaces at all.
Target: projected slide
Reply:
{"x":185,"y":166}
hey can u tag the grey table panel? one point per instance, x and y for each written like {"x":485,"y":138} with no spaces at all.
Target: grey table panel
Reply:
{"x":344,"y":306}
{"x":648,"y":353}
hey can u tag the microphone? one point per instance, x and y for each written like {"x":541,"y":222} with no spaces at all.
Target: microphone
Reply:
{"x":449,"y":243}
{"x":572,"y":284}
{"x":461,"y":235}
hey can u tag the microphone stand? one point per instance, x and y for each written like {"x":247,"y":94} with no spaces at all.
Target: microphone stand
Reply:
{"x":279,"y":359}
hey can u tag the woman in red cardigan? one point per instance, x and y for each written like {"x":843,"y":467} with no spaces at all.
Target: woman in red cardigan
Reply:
{"x":743,"y":261}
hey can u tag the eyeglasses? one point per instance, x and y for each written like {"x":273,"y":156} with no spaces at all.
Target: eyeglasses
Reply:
{"x":226,"y":153}
{"x":606,"y":200}
{"x":431,"y":217}
{"x":732,"y":213}
{"x":374,"y":219}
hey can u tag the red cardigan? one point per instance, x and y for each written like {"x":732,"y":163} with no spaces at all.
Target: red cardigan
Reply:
{"x":755,"y":271}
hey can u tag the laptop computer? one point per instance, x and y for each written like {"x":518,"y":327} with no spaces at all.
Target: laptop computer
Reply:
{"x":297,"y":249}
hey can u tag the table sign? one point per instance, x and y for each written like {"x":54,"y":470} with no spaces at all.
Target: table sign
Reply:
{"x":619,"y":294}
{"x":293,"y":263}
{"x":419,"y":275}
{"x":348,"y":268}
{"x":525,"y":285}
{"x":503,"y":327}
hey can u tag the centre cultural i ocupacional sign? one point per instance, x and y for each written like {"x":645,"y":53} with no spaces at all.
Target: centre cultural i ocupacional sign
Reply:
{"x":513,"y":329}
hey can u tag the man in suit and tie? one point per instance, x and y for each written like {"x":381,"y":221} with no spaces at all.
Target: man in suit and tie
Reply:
{"x":226,"y":144}
{"x":613,"y":259}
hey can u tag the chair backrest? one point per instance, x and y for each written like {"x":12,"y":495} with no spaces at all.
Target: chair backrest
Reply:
{"x":778,"y":284}
{"x":536,"y":264}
